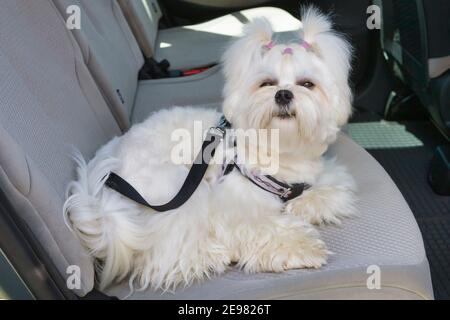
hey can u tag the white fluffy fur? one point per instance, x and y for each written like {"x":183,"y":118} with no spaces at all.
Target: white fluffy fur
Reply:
{"x":231,"y":221}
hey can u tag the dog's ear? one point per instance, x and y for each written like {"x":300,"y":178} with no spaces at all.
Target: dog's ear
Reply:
{"x":334,"y":50}
{"x":241,"y":55}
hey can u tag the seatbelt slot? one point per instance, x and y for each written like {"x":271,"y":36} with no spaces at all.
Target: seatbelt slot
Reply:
{"x":153,"y":69}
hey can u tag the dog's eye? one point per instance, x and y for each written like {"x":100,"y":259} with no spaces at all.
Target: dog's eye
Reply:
{"x":306,"y":84}
{"x":267,"y":83}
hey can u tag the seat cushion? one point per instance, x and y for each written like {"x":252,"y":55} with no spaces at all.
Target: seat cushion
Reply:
{"x":200,"y":89}
{"x":384,"y":234}
{"x":203,"y":44}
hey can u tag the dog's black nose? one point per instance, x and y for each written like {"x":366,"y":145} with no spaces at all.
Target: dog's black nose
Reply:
{"x":283,"y":97}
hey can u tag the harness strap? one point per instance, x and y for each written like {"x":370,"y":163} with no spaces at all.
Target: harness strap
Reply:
{"x":192,"y":181}
{"x":268,"y":183}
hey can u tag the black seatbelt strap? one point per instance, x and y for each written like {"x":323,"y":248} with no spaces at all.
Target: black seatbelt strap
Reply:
{"x":213,"y":138}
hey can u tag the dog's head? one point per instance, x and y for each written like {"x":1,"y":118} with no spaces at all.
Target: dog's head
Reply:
{"x":300,"y":88}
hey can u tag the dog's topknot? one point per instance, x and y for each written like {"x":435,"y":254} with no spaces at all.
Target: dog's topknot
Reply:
{"x":259,"y":30}
{"x":314,"y":22}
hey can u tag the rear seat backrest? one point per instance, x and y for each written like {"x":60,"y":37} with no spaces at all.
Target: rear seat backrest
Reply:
{"x":48,"y":103}
{"x":110,"y":51}
{"x":143,"y":17}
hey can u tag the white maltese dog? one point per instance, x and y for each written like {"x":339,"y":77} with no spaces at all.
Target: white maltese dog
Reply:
{"x":300,"y":90}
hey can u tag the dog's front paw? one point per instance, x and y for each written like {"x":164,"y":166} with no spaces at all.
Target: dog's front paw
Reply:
{"x":323,"y":205}
{"x":295,"y":246}
{"x":310,"y":255}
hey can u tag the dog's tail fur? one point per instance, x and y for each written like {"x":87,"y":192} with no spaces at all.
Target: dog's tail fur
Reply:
{"x":156,"y":250}
{"x":87,"y":214}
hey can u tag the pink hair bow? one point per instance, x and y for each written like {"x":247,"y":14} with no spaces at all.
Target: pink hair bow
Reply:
{"x":287,"y":51}
{"x":305,"y":44}
{"x":269,"y":45}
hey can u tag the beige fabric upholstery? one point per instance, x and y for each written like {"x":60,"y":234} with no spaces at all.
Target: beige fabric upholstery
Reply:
{"x":143,"y":17}
{"x":201,"y":89}
{"x":110,"y":51}
{"x":48,"y":103}
{"x":205,"y":42}
{"x":385,"y":234}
